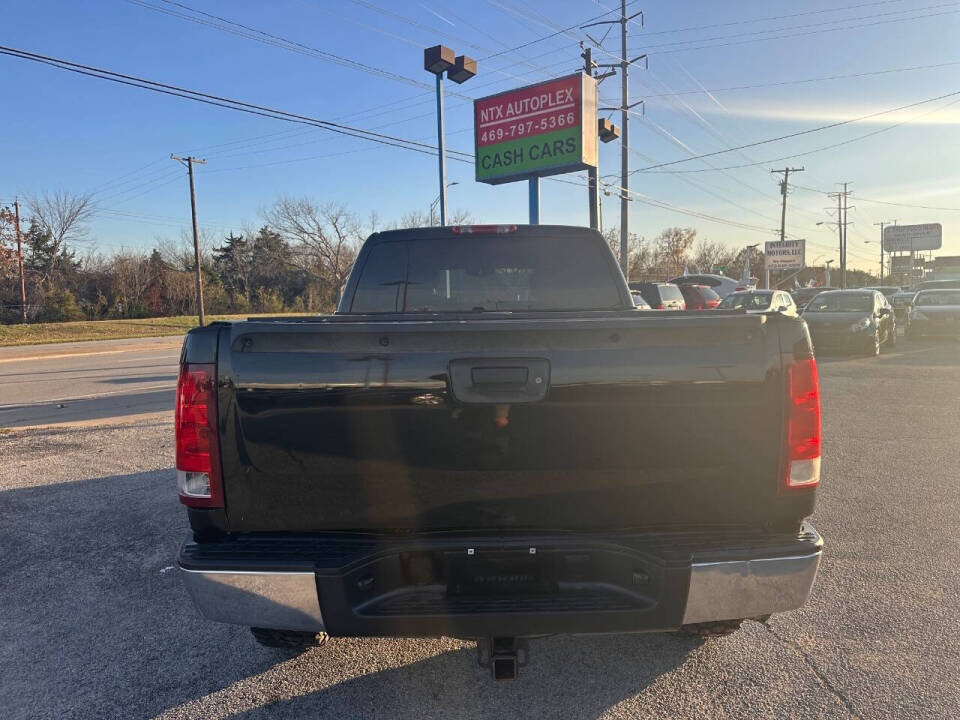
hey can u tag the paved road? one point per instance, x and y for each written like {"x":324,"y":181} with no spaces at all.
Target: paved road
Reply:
{"x":87,"y":381}
{"x":95,"y":623}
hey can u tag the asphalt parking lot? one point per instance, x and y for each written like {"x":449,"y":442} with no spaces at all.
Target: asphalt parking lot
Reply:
{"x":95,"y":623}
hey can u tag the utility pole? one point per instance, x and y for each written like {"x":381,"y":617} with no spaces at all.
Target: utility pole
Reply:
{"x":624,"y":109}
{"x":189,"y":162}
{"x":843,"y":270}
{"x":23,"y":281}
{"x":784,"y":187}
{"x":842,"y":231}
{"x":882,"y":224}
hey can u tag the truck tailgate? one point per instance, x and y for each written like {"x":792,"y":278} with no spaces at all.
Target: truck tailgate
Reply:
{"x":622,"y":420}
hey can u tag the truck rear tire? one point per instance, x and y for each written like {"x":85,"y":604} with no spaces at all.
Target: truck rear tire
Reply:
{"x":271,"y":638}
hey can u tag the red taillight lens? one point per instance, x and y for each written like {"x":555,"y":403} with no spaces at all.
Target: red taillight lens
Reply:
{"x":195,"y":425}
{"x":660,"y":306}
{"x":803,"y":424}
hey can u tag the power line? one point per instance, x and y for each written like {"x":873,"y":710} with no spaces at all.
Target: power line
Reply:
{"x":801,"y":81}
{"x":239,"y":29}
{"x":775,"y":17}
{"x":908,"y":205}
{"x":802,"y":34}
{"x":819,"y":149}
{"x":803,"y":27}
{"x":223,"y":102}
{"x":804,"y":132}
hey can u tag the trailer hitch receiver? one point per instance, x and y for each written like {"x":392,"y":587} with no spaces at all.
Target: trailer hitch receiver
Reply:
{"x":503,"y":655}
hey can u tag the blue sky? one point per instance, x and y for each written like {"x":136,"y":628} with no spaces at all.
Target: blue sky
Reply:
{"x":80,"y":134}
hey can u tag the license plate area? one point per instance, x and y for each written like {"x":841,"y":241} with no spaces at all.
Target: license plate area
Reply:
{"x":501,"y":572}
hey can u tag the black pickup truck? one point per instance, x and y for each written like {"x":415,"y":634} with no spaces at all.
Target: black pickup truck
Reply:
{"x":489,"y":441}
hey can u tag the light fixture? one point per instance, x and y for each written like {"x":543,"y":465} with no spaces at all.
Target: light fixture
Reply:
{"x":607,"y":130}
{"x":438,"y":59}
{"x":463,"y":69}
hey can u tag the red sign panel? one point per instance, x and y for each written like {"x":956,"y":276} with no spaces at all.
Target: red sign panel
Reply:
{"x":529,"y":111}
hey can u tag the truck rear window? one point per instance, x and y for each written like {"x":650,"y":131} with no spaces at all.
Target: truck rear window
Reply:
{"x":486,"y":273}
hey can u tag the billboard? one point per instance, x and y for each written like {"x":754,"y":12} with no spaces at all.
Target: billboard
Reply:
{"x":785,"y":255}
{"x":909,"y":238}
{"x":543,"y":129}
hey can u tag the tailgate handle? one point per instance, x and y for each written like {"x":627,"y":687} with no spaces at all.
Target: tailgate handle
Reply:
{"x":499,"y":376}
{"x":499,"y":380}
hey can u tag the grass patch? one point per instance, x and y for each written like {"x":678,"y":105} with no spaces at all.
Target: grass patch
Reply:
{"x":45,"y":333}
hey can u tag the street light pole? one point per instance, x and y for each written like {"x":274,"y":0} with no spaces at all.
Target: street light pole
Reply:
{"x":459,"y":68}
{"x":441,"y":151}
{"x":437,"y":199}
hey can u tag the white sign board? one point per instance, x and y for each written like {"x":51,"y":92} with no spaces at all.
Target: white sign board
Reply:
{"x":908,"y":238}
{"x":786,"y":255}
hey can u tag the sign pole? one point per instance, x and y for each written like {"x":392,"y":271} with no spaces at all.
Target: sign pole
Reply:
{"x":534,"y":201}
{"x":441,"y":151}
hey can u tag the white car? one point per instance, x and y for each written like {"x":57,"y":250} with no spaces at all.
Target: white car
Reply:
{"x":720,"y":284}
{"x":760,"y":301}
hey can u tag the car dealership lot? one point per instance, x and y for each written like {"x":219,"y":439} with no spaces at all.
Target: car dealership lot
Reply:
{"x":95,"y":622}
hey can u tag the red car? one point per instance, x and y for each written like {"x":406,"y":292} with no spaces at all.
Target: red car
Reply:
{"x":699,"y":297}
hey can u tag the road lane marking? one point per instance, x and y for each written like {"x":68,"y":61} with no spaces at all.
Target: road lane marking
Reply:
{"x":59,"y":356}
{"x":131,"y":391}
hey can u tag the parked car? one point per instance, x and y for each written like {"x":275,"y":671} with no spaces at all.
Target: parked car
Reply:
{"x":902,"y":302}
{"x":661,"y":296}
{"x":720,"y":284}
{"x":935,"y":313}
{"x":638,"y":300}
{"x":802,"y":296}
{"x":888,"y":290}
{"x":759,"y":301}
{"x":482,"y":443}
{"x":938,"y":285}
{"x":699,"y":297}
{"x":851,"y":320}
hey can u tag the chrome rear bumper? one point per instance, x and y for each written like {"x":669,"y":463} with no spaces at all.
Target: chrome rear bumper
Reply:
{"x":718,"y":590}
{"x":278,"y":600}
{"x":750,"y":588}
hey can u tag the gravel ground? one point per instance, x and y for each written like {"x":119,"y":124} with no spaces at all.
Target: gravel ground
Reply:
{"x":95,"y":622}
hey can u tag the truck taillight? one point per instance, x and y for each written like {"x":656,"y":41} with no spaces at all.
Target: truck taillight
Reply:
{"x":803,"y":424}
{"x":195,"y":423}
{"x":484,"y":229}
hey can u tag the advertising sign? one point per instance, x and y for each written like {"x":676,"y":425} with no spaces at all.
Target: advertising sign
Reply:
{"x":910,"y":238}
{"x":947,"y":267}
{"x":786,"y":255}
{"x":543,"y":129}
{"x":899,"y":264}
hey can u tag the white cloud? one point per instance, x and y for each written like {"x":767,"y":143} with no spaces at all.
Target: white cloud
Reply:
{"x":921,"y":115}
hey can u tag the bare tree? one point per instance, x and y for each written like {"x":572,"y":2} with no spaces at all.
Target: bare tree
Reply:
{"x":639,"y":255}
{"x":673,"y":245}
{"x":178,"y":254}
{"x":418,"y":219}
{"x":325,"y":238}
{"x":708,"y":255}
{"x":63,"y":215}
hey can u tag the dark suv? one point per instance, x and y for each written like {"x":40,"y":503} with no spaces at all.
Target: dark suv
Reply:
{"x":661,"y":296}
